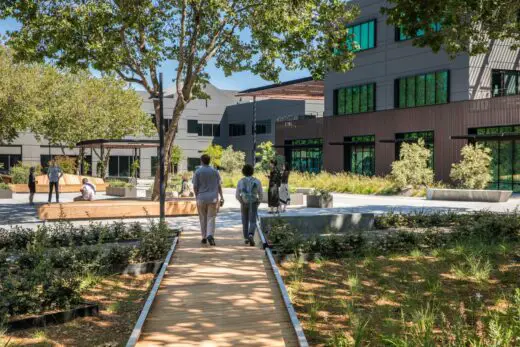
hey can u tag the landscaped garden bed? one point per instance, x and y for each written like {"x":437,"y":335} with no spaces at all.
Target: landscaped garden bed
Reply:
{"x":119,"y":298}
{"x":49,"y":270}
{"x":419,"y":280}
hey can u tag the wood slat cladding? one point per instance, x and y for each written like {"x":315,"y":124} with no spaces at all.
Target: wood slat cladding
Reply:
{"x":445,"y":120}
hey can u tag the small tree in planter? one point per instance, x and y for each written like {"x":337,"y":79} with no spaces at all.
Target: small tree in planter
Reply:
{"x":319,"y":199}
{"x":412,"y":167}
{"x":473,"y":171}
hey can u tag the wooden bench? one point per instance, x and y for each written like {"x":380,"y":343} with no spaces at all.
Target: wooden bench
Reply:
{"x":68,"y":184}
{"x":118,"y":208}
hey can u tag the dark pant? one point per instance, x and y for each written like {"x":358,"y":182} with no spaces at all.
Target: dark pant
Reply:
{"x":249,"y":213}
{"x":56,"y":186}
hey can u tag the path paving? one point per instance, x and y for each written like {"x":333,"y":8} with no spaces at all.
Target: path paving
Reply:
{"x":218,"y":296}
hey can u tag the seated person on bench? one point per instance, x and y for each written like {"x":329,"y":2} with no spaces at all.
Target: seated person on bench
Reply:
{"x":88,"y":191}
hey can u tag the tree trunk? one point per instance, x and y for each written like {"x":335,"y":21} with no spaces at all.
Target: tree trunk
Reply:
{"x":169,"y":138}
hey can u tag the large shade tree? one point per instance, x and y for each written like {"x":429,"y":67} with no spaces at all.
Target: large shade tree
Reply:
{"x":62,"y":108}
{"x":466,"y":26}
{"x":135,"y":38}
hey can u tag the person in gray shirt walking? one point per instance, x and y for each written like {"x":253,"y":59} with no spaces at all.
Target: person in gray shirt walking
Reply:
{"x":54,"y":174}
{"x":207,"y":186}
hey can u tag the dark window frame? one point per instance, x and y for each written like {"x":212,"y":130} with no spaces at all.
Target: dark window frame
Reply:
{"x":427,"y":141}
{"x":348,"y":150}
{"x":265,"y":122}
{"x":237,"y":129}
{"x":360,"y":24}
{"x":397,"y":33}
{"x":335,"y":99}
{"x":502,"y":82}
{"x":397,"y":89}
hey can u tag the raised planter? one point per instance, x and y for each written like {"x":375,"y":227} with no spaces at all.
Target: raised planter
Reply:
{"x":305,"y":191}
{"x":60,"y":317}
{"x":125,"y":192}
{"x":479,"y":195}
{"x":296,"y":199}
{"x":319,"y":201}
{"x":169,"y":195}
{"x":6,"y":194}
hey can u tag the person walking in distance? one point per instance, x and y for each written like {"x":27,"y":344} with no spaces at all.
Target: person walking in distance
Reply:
{"x":32,"y":185}
{"x":207,"y":186}
{"x":275,"y":179}
{"x":54,"y":174}
{"x":249,"y":194}
{"x":285,"y":196}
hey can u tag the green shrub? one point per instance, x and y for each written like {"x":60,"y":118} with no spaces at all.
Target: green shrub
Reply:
{"x":119,"y":184}
{"x":45,"y":276}
{"x":232,"y":160}
{"x":333,"y":182}
{"x":4,"y":185}
{"x":67,"y":164}
{"x":412,"y":167}
{"x":20,"y":173}
{"x":473,"y":171}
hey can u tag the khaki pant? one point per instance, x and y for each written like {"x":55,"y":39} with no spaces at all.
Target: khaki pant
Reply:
{"x":207,"y":216}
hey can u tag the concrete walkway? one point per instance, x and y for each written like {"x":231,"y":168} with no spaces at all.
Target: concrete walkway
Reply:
{"x":218,"y":296}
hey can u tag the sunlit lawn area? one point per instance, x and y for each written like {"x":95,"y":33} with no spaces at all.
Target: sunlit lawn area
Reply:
{"x":120,"y":300}
{"x":467,"y":294}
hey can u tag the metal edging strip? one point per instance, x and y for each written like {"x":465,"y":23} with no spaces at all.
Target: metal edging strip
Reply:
{"x":302,"y":340}
{"x":136,"y":332}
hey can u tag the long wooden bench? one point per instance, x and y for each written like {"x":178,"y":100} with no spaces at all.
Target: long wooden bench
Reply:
{"x":68,"y":184}
{"x":118,"y":208}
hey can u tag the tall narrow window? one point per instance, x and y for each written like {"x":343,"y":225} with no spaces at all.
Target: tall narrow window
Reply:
{"x":424,"y":89}
{"x":360,"y":155}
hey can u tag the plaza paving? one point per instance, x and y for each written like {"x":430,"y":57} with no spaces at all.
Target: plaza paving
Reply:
{"x":17,"y":210}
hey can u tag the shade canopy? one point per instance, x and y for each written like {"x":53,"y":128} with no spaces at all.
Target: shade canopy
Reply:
{"x":299,"y":89}
{"x":488,"y":137}
{"x":118,"y":144}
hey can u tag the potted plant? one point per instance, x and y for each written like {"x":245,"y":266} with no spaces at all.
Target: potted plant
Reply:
{"x":122,"y":189}
{"x":5,"y":191}
{"x":319,"y":199}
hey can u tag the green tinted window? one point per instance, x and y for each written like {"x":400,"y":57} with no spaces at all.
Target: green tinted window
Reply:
{"x":425,"y":89}
{"x":410,"y":91}
{"x":355,"y":99}
{"x":341,"y":101}
{"x":349,"y":101}
{"x":441,"y":88}
{"x":403,"y":37}
{"x":308,"y":159}
{"x":430,"y":89}
{"x":361,"y":36}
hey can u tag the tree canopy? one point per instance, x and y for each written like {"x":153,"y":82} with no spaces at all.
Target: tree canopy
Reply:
{"x":135,"y":38}
{"x":465,"y":25}
{"x":65,"y":108}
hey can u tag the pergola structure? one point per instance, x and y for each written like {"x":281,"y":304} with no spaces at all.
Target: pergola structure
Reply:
{"x":103,"y":144}
{"x":300,"y":89}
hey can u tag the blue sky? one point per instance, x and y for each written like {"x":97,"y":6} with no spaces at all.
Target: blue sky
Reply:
{"x":237,"y":81}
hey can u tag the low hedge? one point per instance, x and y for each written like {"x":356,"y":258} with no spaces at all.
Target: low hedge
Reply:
{"x":407,"y":233}
{"x":119,"y":184}
{"x":65,"y":234}
{"x":43,"y":277}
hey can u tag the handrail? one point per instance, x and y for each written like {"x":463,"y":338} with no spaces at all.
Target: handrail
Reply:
{"x":302,"y":340}
{"x":136,"y":332}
